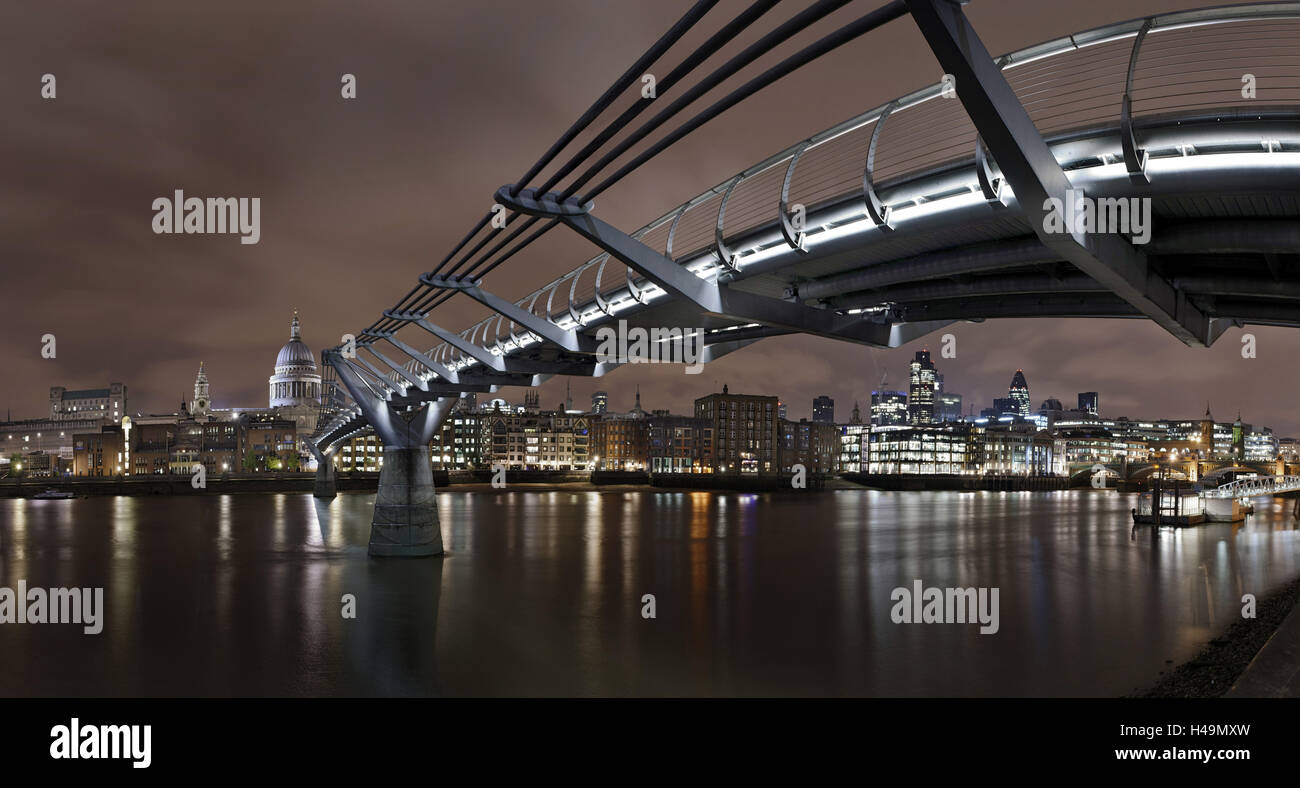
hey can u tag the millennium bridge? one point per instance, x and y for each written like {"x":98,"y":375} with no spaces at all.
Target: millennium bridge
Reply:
{"x":942,"y":205}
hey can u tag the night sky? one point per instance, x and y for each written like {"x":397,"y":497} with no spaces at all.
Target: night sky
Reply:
{"x":358,"y":198}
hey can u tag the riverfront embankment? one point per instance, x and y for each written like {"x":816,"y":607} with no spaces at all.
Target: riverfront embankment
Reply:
{"x":177,"y":484}
{"x":1226,"y":658}
{"x":469,"y":481}
{"x":953,"y":481}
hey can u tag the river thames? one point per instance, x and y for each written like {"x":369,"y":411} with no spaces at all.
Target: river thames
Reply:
{"x":541,"y":594}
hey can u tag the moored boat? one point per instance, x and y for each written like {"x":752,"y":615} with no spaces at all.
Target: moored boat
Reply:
{"x":51,"y":494}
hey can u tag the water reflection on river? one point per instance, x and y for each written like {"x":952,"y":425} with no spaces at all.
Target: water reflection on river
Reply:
{"x":772,"y":594}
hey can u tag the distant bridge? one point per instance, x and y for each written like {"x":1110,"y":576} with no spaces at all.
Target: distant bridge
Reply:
{"x":888,"y":226}
{"x":1205,"y":470}
{"x":1256,"y":485}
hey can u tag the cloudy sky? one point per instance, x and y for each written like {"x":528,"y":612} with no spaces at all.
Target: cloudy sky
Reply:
{"x":358,"y":197}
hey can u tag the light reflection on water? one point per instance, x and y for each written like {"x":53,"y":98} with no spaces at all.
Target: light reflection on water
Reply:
{"x":773,"y":594}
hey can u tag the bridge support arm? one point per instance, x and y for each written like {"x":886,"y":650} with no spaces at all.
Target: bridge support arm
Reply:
{"x":401,"y":371}
{"x":902,"y":333}
{"x":365,"y":368}
{"x":316,"y":452}
{"x":566,"y":338}
{"x":438,"y":369}
{"x":1036,"y":177}
{"x":374,"y":408}
{"x":795,"y":315}
{"x":674,"y":279}
{"x":482,"y":355}
{"x":708,"y":296}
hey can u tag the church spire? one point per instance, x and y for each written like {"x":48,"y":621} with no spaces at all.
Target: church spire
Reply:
{"x":294,"y":332}
{"x":201,"y":403}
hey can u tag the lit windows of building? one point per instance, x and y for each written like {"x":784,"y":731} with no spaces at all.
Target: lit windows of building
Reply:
{"x":1018,"y":393}
{"x":851,"y":437}
{"x":1021,"y":449}
{"x":888,"y":408}
{"x":921,"y":389}
{"x":106,"y":404}
{"x":952,"y":448}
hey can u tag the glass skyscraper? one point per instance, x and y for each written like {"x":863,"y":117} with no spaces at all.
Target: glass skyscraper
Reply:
{"x":920,"y":391}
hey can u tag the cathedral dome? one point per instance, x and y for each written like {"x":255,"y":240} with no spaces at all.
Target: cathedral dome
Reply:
{"x":296,"y":385}
{"x":295,"y":354}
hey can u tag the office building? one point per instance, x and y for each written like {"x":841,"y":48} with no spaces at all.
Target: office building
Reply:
{"x":921,"y":388}
{"x":107,"y":405}
{"x":535,"y":440}
{"x":888,"y":408}
{"x":952,"y":448}
{"x":814,"y":445}
{"x":947,"y":406}
{"x":678,"y":444}
{"x":1018,"y":393}
{"x":823,"y":410}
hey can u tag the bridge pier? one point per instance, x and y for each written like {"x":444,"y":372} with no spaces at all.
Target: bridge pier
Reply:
{"x":406,"y":507}
{"x":405,"y":522}
{"x":324,"y":479}
{"x":324,"y":487}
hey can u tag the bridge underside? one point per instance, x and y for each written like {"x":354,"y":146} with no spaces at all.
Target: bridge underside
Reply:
{"x":1224,"y":230}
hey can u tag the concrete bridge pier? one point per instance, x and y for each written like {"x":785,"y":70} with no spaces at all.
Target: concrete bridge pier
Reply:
{"x":324,"y":473}
{"x":405,"y":522}
{"x":406,"y":507}
{"x":324,"y":480}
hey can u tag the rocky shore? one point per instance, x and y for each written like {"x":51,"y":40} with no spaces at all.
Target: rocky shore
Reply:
{"x":1212,"y":672}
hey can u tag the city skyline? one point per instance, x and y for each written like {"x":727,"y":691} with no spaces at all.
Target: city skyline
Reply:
{"x":518,"y":396}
